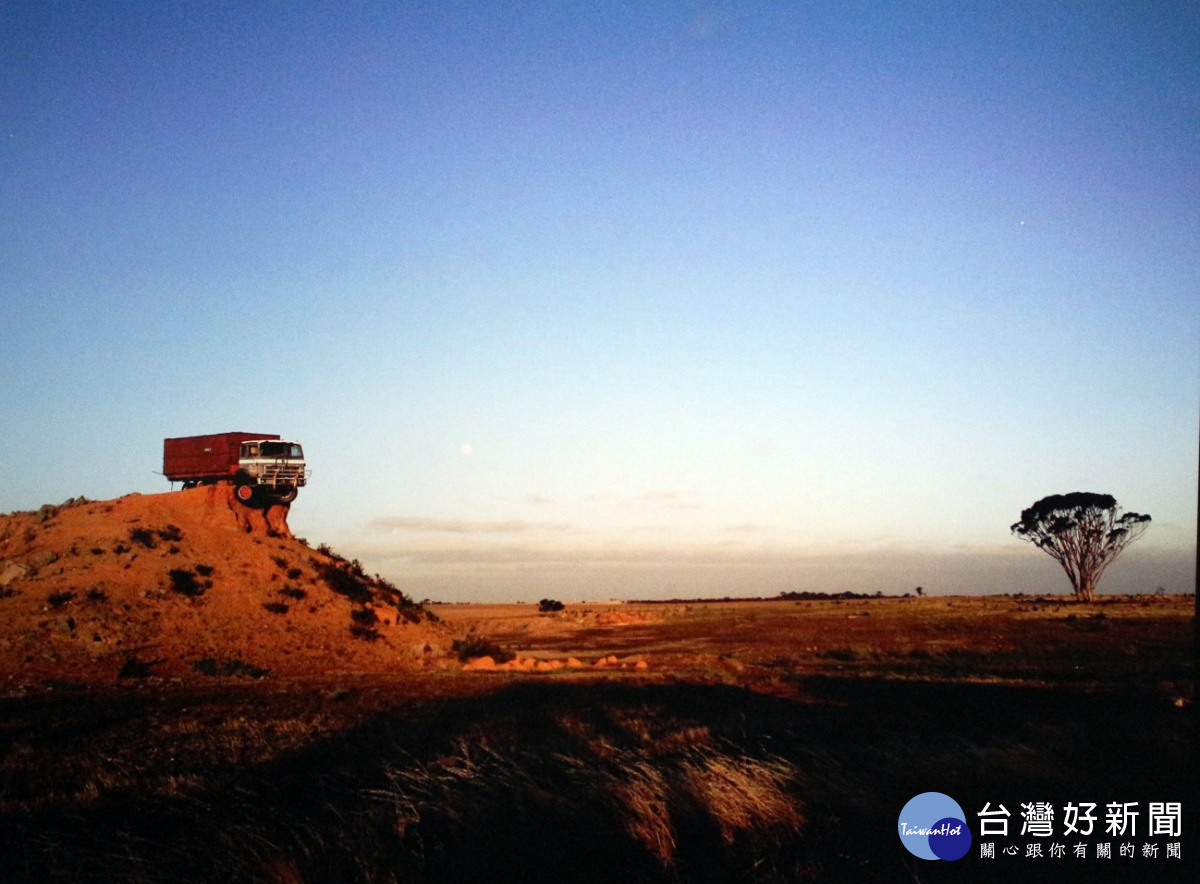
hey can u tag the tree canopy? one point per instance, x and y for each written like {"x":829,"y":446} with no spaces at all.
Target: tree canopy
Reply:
{"x":1083,"y":532}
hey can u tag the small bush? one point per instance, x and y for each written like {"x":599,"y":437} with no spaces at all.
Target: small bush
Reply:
{"x":366,"y":633}
{"x":204,"y":570}
{"x":183,"y":581}
{"x":365,"y":616}
{"x":96,"y":594}
{"x":549,"y":606}
{"x":97,"y":551}
{"x":171,"y":533}
{"x":234,"y":668}
{"x":240,"y":669}
{"x":415,"y":614}
{"x":292,"y":592}
{"x":207,"y":666}
{"x":844,"y":654}
{"x":120,"y":549}
{"x":143,"y":536}
{"x":58,"y":599}
{"x":472,"y":646}
{"x":294,"y":573}
{"x":276,"y":607}
{"x":342,"y":581}
{"x":135,"y":668}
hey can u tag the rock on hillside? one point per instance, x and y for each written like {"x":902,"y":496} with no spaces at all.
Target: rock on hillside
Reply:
{"x":191,"y":584}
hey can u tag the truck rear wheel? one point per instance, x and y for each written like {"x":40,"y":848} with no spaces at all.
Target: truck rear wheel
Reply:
{"x":245,"y":493}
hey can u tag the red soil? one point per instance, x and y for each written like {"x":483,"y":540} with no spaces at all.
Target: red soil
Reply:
{"x":87,"y":587}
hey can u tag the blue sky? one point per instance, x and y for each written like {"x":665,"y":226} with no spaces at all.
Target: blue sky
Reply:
{"x":604,"y":299}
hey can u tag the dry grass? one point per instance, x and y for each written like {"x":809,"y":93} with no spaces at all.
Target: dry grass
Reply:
{"x":745,"y":795}
{"x":765,"y":758}
{"x":651,"y":796}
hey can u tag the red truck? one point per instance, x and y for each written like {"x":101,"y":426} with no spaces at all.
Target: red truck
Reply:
{"x":260,"y":465}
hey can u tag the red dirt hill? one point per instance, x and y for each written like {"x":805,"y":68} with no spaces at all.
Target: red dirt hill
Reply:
{"x":194,"y":584}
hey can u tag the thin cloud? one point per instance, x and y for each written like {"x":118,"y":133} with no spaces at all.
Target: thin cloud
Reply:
{"x":670,"y":500}
{"x":531,"y":550}
{"x":663,"y":500}
{"x":464,"y":526}
{"x":745,"y":528}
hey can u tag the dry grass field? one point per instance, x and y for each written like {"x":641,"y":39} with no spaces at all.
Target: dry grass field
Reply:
{"x":757,"y":741}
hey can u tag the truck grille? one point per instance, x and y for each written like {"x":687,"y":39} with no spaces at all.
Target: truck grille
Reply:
{"x":282,"y":474}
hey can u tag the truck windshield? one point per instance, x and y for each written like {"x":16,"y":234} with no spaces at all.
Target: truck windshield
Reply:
{"x":289,"y":450}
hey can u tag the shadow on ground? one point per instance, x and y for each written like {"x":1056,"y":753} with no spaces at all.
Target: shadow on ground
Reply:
{"x":557,"y":781}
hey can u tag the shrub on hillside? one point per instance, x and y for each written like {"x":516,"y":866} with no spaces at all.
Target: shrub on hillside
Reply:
{"x":149,"y":537}
{"x":143,"y":536}
{"x":365,"y":616}
{"x":366,"y":633}
{"x":183,"y":581}
{"x":343,"y":580}
{"x":347,"y":578}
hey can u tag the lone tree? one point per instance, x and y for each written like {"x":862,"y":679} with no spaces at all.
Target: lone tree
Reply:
{"x":1084,"y":532}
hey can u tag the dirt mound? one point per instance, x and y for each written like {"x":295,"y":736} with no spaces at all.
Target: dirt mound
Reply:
{"x":191,"y":584}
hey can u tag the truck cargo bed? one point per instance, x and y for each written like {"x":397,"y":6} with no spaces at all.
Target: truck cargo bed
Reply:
{"x":199,"y":458}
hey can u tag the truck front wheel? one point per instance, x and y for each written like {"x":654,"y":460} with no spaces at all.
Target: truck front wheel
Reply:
{"x":286,"y":495}
{"x":245,"y":493}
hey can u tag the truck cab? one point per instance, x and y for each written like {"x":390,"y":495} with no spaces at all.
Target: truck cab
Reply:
{"x":274,"y":465}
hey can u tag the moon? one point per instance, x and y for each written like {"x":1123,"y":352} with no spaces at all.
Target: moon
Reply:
{"x":466,"y":448}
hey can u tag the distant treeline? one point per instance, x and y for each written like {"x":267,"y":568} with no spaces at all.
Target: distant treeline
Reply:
{"x":813,"y":596}
{"x":782,"y":597}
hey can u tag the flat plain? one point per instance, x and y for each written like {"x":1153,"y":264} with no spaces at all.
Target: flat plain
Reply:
{"x":688,"y":741}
